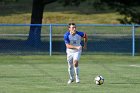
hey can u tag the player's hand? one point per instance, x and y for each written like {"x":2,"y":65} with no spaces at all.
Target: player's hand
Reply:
{"x":79,"y":47}
{"x":85,"y":47}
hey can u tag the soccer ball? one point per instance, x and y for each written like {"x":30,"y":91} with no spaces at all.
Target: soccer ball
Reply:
{"x":99,"y":80}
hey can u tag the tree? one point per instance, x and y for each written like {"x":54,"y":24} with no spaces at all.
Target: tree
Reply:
{"x":8,"y":0}
{"x":128,"y":8}
{"x":36,"y":18}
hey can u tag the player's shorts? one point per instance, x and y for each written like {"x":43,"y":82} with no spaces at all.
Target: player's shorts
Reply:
{"x":73,"y":55}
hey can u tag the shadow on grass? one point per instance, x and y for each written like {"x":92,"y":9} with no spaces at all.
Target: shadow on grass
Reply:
{"x":21,"y":47}
{"x":104,"y":45}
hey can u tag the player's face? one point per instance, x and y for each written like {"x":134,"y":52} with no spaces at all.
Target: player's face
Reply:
{"x":72,"y":29}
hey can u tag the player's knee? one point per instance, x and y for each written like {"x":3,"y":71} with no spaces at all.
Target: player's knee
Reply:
{"x":76,"y":63}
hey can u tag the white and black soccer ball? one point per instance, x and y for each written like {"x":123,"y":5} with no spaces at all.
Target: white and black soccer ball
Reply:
{"x":99,"y":80}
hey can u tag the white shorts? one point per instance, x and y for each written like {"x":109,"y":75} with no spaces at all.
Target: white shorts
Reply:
{"x":73,"y":56}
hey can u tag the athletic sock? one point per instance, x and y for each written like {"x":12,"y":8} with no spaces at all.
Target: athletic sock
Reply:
{"x":71,"y":72}
{"x":76,"y":71}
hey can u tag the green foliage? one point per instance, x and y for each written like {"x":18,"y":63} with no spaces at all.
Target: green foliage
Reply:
{"x":128,"y":8}
{"x":70,"y":2}
{"x":8,"y":0}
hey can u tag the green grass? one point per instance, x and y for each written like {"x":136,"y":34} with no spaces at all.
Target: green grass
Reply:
{"x":45,"y":74}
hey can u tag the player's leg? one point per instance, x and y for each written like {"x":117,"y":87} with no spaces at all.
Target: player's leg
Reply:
{"x":70,"y":68}
{"x":76,"y":67}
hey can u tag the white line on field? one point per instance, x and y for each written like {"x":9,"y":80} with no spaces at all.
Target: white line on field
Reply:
{"x":134,"y":65}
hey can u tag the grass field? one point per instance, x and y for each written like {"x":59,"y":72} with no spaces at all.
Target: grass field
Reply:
{"x":45,"y":74}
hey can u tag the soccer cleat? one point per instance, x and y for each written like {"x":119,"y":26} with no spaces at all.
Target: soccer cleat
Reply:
{"x":70,"y":81}
{"x":77,"y":80}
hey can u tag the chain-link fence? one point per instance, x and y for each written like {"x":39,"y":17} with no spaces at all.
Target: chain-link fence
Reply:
{"x":102,"y":39}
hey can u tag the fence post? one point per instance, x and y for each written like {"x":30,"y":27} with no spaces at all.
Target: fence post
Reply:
{"x":133,"y":40}
{"x":50,"y":40}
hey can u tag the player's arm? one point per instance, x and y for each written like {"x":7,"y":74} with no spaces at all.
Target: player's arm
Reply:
{"x":85,"y":41}
{"x":73,"y":47}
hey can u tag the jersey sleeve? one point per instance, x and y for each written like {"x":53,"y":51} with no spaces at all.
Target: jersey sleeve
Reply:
{"x":82,"y":34}
{"x":66,"y":39}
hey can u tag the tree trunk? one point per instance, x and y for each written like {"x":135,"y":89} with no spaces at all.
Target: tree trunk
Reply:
{"x":36,"y":18}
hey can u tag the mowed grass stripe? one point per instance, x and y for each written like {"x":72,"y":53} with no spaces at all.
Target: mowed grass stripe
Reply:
{"x":45,"y":74}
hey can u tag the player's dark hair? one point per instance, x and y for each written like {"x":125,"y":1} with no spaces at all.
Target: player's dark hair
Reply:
{"x":71,"y":24}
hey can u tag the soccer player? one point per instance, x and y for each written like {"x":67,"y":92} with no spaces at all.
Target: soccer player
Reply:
{"x":74,"y":48}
